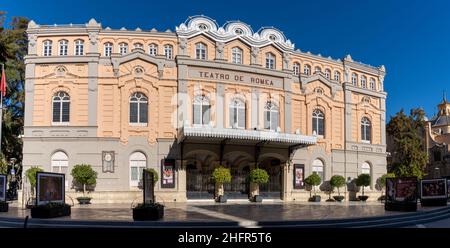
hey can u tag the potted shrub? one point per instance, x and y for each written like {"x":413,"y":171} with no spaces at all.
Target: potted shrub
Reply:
{"x":381,"y":184}
{"x":220,"y":176}
{"x":50,"y":210}
{"x":148,"y":211}
{"x":31,"y":176}
{"x":363,"y":180}
{"x":84,"y":175}
{"x":313,"y":180}
{"x":337,"y":181}
{"x":257,"y":176}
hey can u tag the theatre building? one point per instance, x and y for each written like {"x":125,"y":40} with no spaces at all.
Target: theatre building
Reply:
{"x":186,"y":101}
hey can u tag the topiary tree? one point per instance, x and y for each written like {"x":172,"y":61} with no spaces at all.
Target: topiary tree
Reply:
{"x":259,"y":176}
{"x":31,"y":175}
{"x":220,"y":176}
{"x":84,"y":174}
{"x":363,"y":180}
{"x":313,"y":180}
{"x":337,"y":181}
{"x":155,"y":174}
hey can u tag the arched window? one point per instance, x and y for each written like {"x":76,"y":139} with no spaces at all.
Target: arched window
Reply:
{"x":296,"y":68}
{"x":201,"y":110}
{"x":138,"y":162}
{"x":138,"y":109}
{"x":63,"y":45}
{"x":123,"y":48}
{"x":307,"y":69}
{"x":108,"y":49}
{"x":318,"y":119}
{"x":61,"y":108}
{"x":153,"y":49}
{"x":47,"y":48}
{"x":365,"y":169}
{"x":317,"y":70}
{"x":168,"y":51}
{"x":138,"y":45}
{"x":271,"y":116}
{"x":337,"y":76}
{"x":236,"y":55}
{"x":363,"y":82}
{"x":372,"y":84}
{"x":270,"y":61}
{"x":60,"y":164}
{"x":237,"y":113}
{"x":354,"y":79}
{"x":200,"y":51}
{"x":365,"y":129}
{"x":328,"y":73}
{"x":317,"y":167}
{"x":79,"y":47}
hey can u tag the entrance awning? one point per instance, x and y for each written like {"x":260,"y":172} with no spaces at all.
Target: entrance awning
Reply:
{"x":213,"y":135}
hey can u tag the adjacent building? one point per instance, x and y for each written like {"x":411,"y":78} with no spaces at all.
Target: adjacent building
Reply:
{"x":186,"y":101}
{"x":437,"y":140}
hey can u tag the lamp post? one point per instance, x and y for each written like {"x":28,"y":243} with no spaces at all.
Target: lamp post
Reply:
{"x":12,"y":191}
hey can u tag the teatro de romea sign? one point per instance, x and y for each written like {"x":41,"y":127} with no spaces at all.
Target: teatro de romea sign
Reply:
{"x":235,"y":77}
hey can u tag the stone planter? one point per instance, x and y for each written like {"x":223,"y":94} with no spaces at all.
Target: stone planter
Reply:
{"x":221,"y":199}
{"x":148,"y":213}
{"x":254,"y":190}
{"x":256,"y":198}
{"x":338,"y":198}
{"x":84,"y":200}
{"x":53,"y":211}
{"x":315,"y":198}
{"x":219,"y":190}
{"x":363,"y":197}
{"x":4,"y":207}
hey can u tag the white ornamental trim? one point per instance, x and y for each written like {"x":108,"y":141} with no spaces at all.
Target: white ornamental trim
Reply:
{"x":223,"y":133}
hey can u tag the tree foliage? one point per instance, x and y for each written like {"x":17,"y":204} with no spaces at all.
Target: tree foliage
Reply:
{"x":221,"y":175}
{"x":84,"y":174}
{"x":337,"y":181}
{"x":313,"y":180}
{"x":382,"y":179}
{"x":409,"y":157}
{"x":259,"y":176}
{"x":363,"y":180}
{"x":31,"y":175}
{"x":155,"y":174}
{"x":13,"y":48}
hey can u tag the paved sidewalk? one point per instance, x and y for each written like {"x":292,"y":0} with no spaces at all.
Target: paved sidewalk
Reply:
{"x":246,"y":213}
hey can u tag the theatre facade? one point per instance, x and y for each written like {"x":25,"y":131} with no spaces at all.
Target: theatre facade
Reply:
{"x":186,"y":101}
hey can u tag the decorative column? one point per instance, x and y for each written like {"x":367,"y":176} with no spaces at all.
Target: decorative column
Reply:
{"x":93,"y":29}
{"x":220,"y":108}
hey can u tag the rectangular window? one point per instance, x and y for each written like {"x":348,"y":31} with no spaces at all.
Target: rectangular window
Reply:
{"x":267,"y":120}
{"x":143,"y":112}
{"x":205,"y":113}
{"x":56,"y":112}
{"x":133,"y":112}
{"x":65,"y":111}
{"x":233,"y":117}
{"x":320,"y":130}
{"x":274,"y":121}
{"x":134,"y":173}
{"x":197,"y":114}
{"x":241,"y":119}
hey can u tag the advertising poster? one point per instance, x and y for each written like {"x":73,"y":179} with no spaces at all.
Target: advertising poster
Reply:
{"x":2,"y":187}
{"x":448,"y":187}
{"x":401,"y":194}
{"x":168,"y":173}
{"x":299,"y":173}
{"x":49,"y":188}
{"x":149,"y":187}
{"x":434,"y":189}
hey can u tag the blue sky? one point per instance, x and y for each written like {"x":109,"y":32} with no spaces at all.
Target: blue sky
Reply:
{"x":411,"y":38}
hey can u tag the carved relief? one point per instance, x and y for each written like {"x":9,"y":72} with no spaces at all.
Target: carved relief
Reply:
{"x":183,"y":46}
{"x":254,"y":54}
{"x":93,"y":38}
{"x":219,"y":50}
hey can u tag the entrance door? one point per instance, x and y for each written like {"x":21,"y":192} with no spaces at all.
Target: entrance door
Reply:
{"x":198,"y":183}
{"x":272,"y":189}
{"x":138,"y":162}
{"x":239,"y":186}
